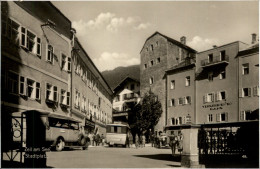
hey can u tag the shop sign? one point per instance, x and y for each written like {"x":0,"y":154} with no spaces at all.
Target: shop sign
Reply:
{"x":218,"y":106}
{"x":89,"y":123}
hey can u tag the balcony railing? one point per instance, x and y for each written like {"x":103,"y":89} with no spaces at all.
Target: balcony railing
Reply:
{"x":215,"y":60}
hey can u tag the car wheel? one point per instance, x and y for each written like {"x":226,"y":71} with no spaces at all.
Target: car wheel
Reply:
{"x":60,"y":145}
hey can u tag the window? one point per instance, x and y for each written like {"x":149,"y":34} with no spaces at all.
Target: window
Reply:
{"x":222,"y":74}
{"x":13,"y":79}
{"x":245,"y":115}
{"x":210,"y":58}
{"x":210,"y":76}
{"x":157,"y":43}
{"x":151,"y":63}
{"x":173,"y":121}
{"x":180,"y":101}
{"x":117,"y":98}
{"x":222,"y":55}
{"x":151,"y":80}
{"x":132,"y":86}
{"x":63,"y":61}
{"x":151,"y":47}
{"x":39,"y":46}
{"x":22,"y":89}
{"x":12,"y":30}
{"x":84,"y":104}
{"x":220,"y":96}
{"x":246,"y":92}
{"x":245,"y":69}
{"x":210,"y":117}
{"x":65,"y":97}
{"x":50,"y":53}
{"x":30,"y":41}
{"x":172,"y":102}
{"x":145,"y":66}
{"x":180,"y":120}
{"x":187,"y":100}
{"x":77,"y":99}
{"x":208,"y":98}
{"x":30,"y":89}
{"x":222,"y":117}
{"x":173,"y":84}
{"x":187,"y":81}
{"x":158,"y":60}
{"x":51,"y":93}
{"x":68,"y":64}
{"x":256,"y":91}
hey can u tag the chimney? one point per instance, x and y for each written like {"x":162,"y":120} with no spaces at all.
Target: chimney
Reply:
{"x":183,"y":40}
{"x":253,"y":38}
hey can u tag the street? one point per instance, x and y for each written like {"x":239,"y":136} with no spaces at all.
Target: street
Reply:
{"x":113,"y":157}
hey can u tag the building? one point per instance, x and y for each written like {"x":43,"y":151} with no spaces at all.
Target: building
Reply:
{"x":217,"y":84}
{"x":180,"y":89}
{"x":160,"y":53}
{"x":248,"y":81}
{"x":126,"y":95}
{"x":91,"y":95}
{"x":35,"y":38}
{"x":38,"y":68}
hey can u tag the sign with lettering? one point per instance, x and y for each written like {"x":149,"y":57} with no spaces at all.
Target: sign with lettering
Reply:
{"x":89,"y":123}
{"x":217,"y":106}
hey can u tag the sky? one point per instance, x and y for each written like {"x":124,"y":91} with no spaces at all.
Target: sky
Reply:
{"x":114,"y":32}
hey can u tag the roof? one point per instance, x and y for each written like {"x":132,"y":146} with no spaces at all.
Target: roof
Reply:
{"x":254,"y":48}
{"x":182,"y":65}
{"x":170,"y":40}
{"x":123,"y":81}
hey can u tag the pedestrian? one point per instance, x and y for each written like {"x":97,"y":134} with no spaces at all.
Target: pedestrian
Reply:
{"x":143,"y":140}
{"x":173,"y":143}
{"x":130,"y":140}
{"x":98,"y":138}
{"x":136,"y":141}
{"x":180,"y":142}
{"x":102,"y":139}
{"x":91,"y":138}
{"x":152,"y":139}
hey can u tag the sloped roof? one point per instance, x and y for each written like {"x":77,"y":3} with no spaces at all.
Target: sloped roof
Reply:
{"x":170,"y":40}
{"x":123,"y":81}
{"x":254,"y":48}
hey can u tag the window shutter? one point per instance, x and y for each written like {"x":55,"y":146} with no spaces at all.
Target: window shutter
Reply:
{"x":226,"y":116}
{"x":218,"y":117}
{"x":242,"y":115}
{"x":184,"y":119}
{"x":217,"y":96}
{"x":204,"y":99}
{"x":255,"y":91}
{"x":240,"y":92}
{"x":38,"y":90}
{"x":23,"y":37}
{"x":212,"y":97}
{"x":249,"y":92}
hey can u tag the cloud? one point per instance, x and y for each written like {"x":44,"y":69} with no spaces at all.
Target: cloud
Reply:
{"x":109,"y":61}
{"x":201,"y":44}
{"x":110,"y":22}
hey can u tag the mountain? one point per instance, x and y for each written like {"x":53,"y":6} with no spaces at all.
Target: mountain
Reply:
{"x":115,"y":76}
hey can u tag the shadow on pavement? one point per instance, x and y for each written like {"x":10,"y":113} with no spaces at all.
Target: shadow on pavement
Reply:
{"x":15,"y":164}
{"x":170,"y":165}
{"x":165,"y":157}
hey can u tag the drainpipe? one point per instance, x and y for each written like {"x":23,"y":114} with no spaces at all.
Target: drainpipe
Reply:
{"x":73,"y":31}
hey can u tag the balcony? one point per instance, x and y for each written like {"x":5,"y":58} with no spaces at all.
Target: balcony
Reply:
{"x":216,"y":60}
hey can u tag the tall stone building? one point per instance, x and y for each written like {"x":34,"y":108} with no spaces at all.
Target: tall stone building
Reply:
{"x":158,"y":54}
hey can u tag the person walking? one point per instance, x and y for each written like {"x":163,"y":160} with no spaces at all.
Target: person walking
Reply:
{"x":180,"y":142}
{"x":102,"y":139}
{"x":98,"y":139}
{"x":130,"y":140}
{"x":173,"y":143}
{"x":91,"y":138}
{"x":136,"y":141}
{"x":143,"y":140}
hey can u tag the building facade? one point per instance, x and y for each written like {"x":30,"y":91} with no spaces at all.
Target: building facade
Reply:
{"x":126,"y":94}
{"x":248,"y":81}
{"x":37,"y":70}
{"x":91,"y":95}
{"x":181,"y":93}
{"x":158,"y":54}
{"x":217,"y":84}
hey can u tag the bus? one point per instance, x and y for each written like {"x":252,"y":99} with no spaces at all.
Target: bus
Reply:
{"x":117,"y":134}
{"x":60,"y":132}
